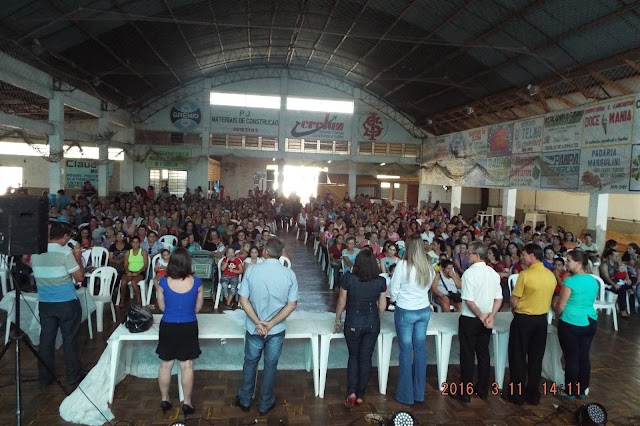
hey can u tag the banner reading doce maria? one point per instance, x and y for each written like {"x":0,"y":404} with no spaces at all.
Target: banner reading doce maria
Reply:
{"x":608,"y":123}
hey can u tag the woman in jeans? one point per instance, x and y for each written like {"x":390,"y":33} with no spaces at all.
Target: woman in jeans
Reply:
{"x":409,"y":288}
{"x":364,"y":292}
{"x":578,"y":323}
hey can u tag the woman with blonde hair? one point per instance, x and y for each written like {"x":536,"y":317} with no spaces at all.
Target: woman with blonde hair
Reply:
{"x":409,"y":289}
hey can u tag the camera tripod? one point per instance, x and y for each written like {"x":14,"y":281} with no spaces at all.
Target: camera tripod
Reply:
{"x":20,"y":337}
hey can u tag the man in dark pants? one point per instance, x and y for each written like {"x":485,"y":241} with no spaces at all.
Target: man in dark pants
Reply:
{"x":530,"y":301}
{"x":56,"y":272}
{"x":482,"y":297}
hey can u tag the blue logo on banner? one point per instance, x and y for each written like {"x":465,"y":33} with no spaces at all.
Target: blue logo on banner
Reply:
{"x":186,"y":115}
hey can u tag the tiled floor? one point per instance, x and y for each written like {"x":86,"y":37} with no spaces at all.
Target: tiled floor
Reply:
{"x":615,"y":383}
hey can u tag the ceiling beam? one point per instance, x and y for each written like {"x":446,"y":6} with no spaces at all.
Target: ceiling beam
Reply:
{"x":296,"y":33}
{"x":457,"y":12}
{"x":215,"y":26}
{"x":382,"y":37}
{"x":248,"y":11}
{"x":60,"y":8}
{"x":610,"y":83}
{"x":173,"y":16}
{"x":508,"y":19}
{"x":344,"y":37}
{"x":274,"y":10}
{"x":547,"y":43}
{"x":116,"y":3}
{"x":324,"y":28}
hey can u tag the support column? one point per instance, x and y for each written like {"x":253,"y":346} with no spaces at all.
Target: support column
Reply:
{"x":281,"y":176}
{"x":509,"y":206}
{"x":597,"y":221}
{"x":56,"y":142}
{"x":353,"y":173}
{"x":103,"y":155}
{"x":456,"y":200}
{"x":423,"y":191}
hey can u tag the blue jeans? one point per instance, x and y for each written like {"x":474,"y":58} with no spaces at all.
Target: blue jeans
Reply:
{"x":254,"y":345}
{"x":411,"y":328}
{"x":361,"y":342}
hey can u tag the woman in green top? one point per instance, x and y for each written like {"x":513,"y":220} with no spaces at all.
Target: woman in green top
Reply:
{"x":136,"y":261}
{"x":577,"y":324}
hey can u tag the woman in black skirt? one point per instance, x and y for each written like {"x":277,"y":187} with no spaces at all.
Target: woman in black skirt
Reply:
{"x":180,"y":297}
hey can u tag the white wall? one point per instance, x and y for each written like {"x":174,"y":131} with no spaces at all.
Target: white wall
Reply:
{"x":621,"y":206}
{"x":236,"y":174}
{"x":35,"y":170}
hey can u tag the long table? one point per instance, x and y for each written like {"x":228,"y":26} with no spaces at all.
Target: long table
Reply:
{"x":211,"y":327}
{"x":30,"y":318}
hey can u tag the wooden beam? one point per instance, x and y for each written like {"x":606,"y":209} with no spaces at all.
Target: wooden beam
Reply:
{"x":610,"y":83}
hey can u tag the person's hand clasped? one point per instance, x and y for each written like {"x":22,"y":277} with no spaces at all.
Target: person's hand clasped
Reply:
{"x":488,"y":321}
{"x":338,"y":327}
{"x":261,"y":330}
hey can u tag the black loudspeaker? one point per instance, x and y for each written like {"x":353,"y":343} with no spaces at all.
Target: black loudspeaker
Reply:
{"x":23,"y":224}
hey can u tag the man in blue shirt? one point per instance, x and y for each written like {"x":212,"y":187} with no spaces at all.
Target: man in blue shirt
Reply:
{"x":268,"y":295}
{"x":56,"y":272}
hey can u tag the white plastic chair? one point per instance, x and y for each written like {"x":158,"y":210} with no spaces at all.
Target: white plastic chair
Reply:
{"x":151,"y":274}
{"x":169,"y":241}
{"x":99,"y":257}
{"x":5,"y":271}
{"x":606,"y":300}
{"x":108,"y":277}
{"x":216,"y":302}
{"x":284,"y":260}
{"x":512,"y":280}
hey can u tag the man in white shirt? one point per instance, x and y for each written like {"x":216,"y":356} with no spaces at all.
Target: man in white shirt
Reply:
{"x":481,"y":300}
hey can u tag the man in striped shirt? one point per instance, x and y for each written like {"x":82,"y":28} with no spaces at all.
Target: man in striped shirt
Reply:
{"x":56,"y":272}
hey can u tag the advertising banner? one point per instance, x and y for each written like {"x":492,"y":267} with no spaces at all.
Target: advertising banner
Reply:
{"x":311,"y":125}
{"x":527,"y":136}
{"x":605,"y":169}
{"x":474,"y":175}
{"x":525,"y":171}
{"x":498,"y":170}
{"x":561,"y":170}
{"x":186,"y":115}
{"x":169,"y":158}
{"x":500,"y":140}
{"x":469,"y":144}
{"x":634,"y":176}
{"x":442,"y":150}
{"x":562,"y":131}
{"x":244,"y":121}
{"x":77,"y":172}
{"x":608,"y":124}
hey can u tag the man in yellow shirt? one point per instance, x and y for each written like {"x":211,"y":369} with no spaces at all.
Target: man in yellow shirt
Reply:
{"x":530,"y":301}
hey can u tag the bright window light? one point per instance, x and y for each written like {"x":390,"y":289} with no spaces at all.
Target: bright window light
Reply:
{"x":38,"y":150}
{"x":11,"y":177}
{"x":396,"y":185}
{"x":385,"y":185}
{"x":323,"y":105}
{"x":244,"y":100}
{"x":387,"y":177}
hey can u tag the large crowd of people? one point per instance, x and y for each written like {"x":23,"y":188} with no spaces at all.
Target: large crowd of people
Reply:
{"x":429,"y":258}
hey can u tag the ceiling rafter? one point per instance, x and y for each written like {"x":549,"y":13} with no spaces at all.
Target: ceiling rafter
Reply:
{"x":60,"y":8}
{"x":184,"y":37}
{"x":344,"y":37}
{"x":545,"y":44}
{"x":444,"y":23}
{"x":144,"y":38}
{"x":248,"y":10}
{"x":296,"y":32}
{"x":215,"y":26}
{"x":610,"y":83}
{"x":274,"y":10}
{"x":324,"y":28}
{"x":509,"y":18}
{"x":382,"y":37}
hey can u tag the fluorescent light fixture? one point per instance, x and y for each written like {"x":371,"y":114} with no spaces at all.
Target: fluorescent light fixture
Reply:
{"x":321,"y":105}
{"x":387,"y":177}
{"x":382,"y":164}
{"x":244,"y":100}
{"x":385,"y":185}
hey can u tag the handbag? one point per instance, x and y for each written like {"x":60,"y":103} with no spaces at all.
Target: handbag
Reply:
{"x":138,"y":320}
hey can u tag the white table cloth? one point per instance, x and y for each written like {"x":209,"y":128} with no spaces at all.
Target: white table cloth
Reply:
{"x":29,"y":313}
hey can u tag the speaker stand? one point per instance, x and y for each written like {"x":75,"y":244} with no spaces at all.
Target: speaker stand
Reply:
{"x":20,"y":337}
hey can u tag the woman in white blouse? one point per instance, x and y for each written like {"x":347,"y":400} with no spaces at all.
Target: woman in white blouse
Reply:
{"x":253,"y":258}
{"x":409,"y":289}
